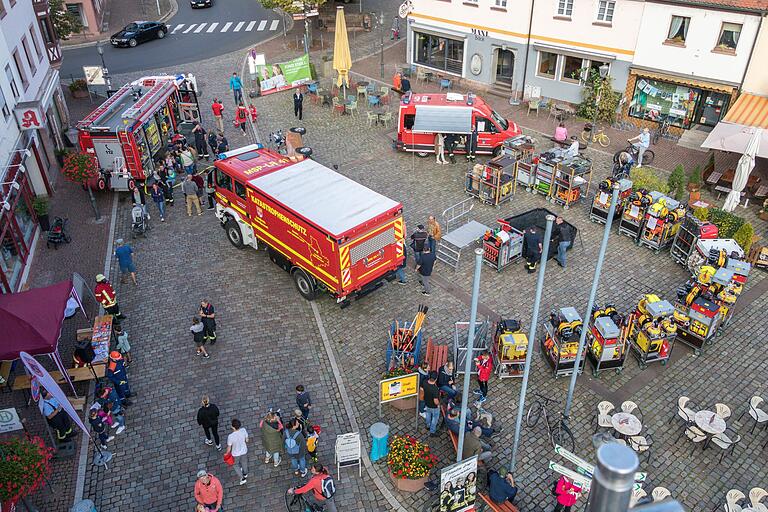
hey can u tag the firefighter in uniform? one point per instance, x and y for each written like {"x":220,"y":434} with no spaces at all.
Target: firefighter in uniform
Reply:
{"x":107,"y":297}
{"x":208,"y":317}
{"x":117,"y":375}
{"x":533,"y":245}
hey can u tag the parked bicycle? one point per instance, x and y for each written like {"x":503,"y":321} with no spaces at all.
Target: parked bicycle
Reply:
{"x":648,"y":156}
{"x":557,"y":430}
{"x":661,"y":131}
{"x":589,"y":134}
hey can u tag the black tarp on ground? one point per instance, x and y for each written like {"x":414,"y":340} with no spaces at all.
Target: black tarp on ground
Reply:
{"x":538,"y":217}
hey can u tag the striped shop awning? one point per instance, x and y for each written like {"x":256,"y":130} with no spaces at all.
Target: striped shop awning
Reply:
{"x":749,"y":110}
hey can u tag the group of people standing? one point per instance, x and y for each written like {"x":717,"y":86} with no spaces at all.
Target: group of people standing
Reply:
{"x":424,"y":243}
{"x":451,"y":142}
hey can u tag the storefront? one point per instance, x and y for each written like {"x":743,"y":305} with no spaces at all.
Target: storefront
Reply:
{"x":686,"y":103}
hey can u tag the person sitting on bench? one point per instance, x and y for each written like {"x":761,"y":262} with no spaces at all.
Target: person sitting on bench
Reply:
{"x":474,"y":446}
{"x":501,"y":486}
{"x":561,"y":133}
{"x":445,"y":380}
{"x":452,"y":422}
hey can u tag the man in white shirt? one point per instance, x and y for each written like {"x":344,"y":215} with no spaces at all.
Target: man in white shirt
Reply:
{"x":573,"y":149}
{"x":641,"y":143}
{"x":237,"y":446}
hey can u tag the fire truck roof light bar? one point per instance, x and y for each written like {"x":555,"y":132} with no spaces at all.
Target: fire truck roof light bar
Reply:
{"x":242,"y":150}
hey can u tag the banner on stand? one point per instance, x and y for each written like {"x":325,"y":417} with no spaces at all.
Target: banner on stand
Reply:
{"x":458,"y":486}
{"x":283,"y":76}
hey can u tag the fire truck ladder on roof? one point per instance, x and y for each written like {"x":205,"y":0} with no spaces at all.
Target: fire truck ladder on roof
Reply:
{"x":104,"y":107}
{"x":148,"y":100}
{"x":130,"y":159}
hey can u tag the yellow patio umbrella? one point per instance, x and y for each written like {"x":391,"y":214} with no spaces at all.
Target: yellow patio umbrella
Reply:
{"x":342,"y":59}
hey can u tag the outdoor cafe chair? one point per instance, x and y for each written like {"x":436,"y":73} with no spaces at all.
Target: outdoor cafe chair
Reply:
{"x":352,"y":107}
{"x":338,"y":107}
{"x":603,"y":415}
{"x":362,"y":90}
{"x":694,"y":434}
{"x":533,"y":104}
{"x":732,"y":500}
{"x":385,"y":95}
{"x":372,"y":118}
{"x":727,"y":441}
{"x":723,"y":411}
{"x":660,"y":493}
{"x":373,"y":101}
{"x":637,"y":494}
{"x":312,"y":88}
{"x":685,"y":412}
{"x":386,"y":119}
{"x":642,"y":444}
{"x":756,"y":412}
{"x":631,"y":407}
{"x":756,"y":495}
{"x":445,"y":84}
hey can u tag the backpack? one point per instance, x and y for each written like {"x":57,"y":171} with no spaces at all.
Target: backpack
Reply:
{"x":328,"y":487}
{"x":312,"y":442}
{"x":291,"y":446}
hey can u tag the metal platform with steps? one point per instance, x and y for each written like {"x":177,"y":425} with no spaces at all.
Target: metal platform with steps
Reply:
{"x":461,"y":232}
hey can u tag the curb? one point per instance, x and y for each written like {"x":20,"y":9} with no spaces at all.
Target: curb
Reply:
{"x":165,"y":17}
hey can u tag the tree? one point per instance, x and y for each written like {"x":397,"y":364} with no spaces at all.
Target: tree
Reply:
{"x":64,"y":22}
{"x":292,"y":6}
{"x":609,"y":99}
{"x":676,"y":182}
{"x":82,"y":168}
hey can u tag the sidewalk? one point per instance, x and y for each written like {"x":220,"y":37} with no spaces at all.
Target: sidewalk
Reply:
{"x":121,"y":12}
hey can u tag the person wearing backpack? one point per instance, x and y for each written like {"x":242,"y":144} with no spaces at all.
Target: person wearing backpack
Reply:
{"x":419,"y":239}
{"x":296,"y":448}
{"x":323,"y":488}
{"x":271,"y":436}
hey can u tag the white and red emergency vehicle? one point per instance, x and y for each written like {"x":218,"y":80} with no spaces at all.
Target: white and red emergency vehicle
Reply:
{"x":132,"y":127}
{"x":422,"y":115}
{"x":328,"y":231}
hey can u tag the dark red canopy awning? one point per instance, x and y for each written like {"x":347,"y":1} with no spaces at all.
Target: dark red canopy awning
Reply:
{"x":31,"y":321}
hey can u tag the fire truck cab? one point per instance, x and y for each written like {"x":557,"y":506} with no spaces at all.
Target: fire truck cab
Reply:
{"x":422,"y":115}
{"x":132,"y":128}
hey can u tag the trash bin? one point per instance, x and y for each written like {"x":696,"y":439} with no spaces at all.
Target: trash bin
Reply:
{"x":379,"y":441}
{"x":83,"y":506}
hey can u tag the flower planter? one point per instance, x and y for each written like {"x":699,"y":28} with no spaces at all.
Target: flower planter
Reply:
{"x":763,"y":215}
{"x":79,"y":93}
{"x":405,"y":404}
{"x":407,"y":485}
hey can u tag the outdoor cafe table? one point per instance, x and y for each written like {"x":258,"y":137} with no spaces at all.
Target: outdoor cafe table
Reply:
{"x":710,"y":423}
{"x":626,"y":424}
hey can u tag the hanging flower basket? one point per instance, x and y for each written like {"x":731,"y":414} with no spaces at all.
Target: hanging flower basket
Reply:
{"x":409,"y":462}
{"x":24,"y":464}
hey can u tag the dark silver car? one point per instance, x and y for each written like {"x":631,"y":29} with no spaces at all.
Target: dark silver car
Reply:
{"x":139,"y":32}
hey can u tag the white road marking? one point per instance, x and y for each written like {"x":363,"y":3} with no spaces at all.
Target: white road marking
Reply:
{"x":226,"y":26}
{"x":212,"y":27}
{"x":274,"y":24}
{"x":191,"y":27}
{"x":262,"y":25}
{"x":176,"y":28}
{"x":239,"y":26}
{"x":250,"y":26}
{"x":200,"y":28}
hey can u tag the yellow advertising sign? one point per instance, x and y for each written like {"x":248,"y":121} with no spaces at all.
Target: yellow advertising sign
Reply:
{"x":396,"y":388}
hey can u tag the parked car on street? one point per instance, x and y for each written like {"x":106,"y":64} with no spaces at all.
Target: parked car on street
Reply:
{"x":139,"y":32}
{"x":200,"y":3}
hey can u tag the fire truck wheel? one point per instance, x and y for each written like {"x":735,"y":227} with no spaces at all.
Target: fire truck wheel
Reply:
{"x":101,"y":184}
{"x":233,"y":233}
{"x":304,"y":284}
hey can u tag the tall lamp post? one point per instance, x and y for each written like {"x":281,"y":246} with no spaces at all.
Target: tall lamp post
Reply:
{"x":104,"y":69}
{"x":603,"y":71}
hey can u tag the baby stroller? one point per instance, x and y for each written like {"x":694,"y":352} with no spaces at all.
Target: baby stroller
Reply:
{"x":58,"y":233}
{"x":139,"y":224}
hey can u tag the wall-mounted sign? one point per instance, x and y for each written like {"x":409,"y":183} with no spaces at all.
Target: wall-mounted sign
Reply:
{"x":94,"y":75}
{"x":476,"y":64}
{"x":29,"y":115}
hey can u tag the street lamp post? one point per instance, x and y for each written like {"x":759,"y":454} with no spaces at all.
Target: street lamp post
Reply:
{"x":381,"y":46}
{"x":603,"y":71}
{"x":104,"y":69}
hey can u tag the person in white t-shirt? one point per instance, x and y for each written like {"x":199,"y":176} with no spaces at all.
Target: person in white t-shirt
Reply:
{"x":237,"y":445}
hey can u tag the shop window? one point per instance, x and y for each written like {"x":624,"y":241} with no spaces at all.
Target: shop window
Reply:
{"x":223,"y":180}
{"x":654,"y":100}
{"x":564,"y":8}
{"x":605,"y":10}
{"x":30,"y":60}
{"x":35,"y":43}
{"x":11,"y":261}
{"x":547,"y":64}
{"x":240,"y":190}
{"x":20,"y":70}
{"x":572,"y":69}
{"x":439,"y":52}
{"x":12,"y":81}
{"x":729,"y":36}
{"x":678,"y":29}
{"x":4,"y":106}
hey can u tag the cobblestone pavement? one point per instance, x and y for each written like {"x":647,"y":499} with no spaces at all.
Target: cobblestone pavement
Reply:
{"x":270,"y":342}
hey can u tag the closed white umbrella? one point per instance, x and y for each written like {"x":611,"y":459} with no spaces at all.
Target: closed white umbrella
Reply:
{"x":744,"y":167}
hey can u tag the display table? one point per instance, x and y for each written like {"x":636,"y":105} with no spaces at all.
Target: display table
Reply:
{"x":626,"y":424}
{"x":709,"y":422}
{"x":379,"y":441}
{"x":101,"y":337}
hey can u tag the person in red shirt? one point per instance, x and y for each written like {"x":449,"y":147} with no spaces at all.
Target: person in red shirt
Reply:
{"x":107,"y":297}
{"x":317,"y":484}
{"x":484,"y":370}
{"x":567,"y":494}
{"x":241,"y":117}
{"x":218,"y":113}
{"x":208,"y":491}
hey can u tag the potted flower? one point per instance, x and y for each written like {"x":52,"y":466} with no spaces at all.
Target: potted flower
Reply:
{"x":763,"y":214}
{"x":409,"y":462}
{"x":403,"y":404}
{"x":79,"y":88}
{"x":25,"y":464}
{"x":41,"y":206}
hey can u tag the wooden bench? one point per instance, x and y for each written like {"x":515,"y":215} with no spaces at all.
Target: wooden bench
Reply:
{"x":454,"y":437}
{"x":504,"y":507}
{"x":5,"y":373}
{"x":436,"y":356}
{"x":75,"y":374}
{"x":77,"y":403}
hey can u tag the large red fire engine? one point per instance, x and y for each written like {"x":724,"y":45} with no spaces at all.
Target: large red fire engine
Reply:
{"x":330,"y":232}
{"x":132,"y":128}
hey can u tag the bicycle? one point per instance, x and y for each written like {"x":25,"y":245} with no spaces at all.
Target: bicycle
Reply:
{"x":559,"y":433}
{"x":589,"y":135}
{"x":298,"y":503}
{"x":648,"y":156}
{"x":660,"y":132}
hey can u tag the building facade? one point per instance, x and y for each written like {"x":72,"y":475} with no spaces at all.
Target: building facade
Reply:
{"x":90,"y":13}
{"x":32,"y":117}
{"x":756,"y":77}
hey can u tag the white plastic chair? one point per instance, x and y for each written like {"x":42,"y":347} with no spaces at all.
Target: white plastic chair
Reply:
{"x":683,"y":411}
{"x":603,"y":415}
{"x":631,"y":407}
{"x":642,"y":444}
{"x":756,"y":495}
{"x":723,"y":411}
{"x":756,"y":412}
{"x":727,"y":441}
{"x":637,"y":494}
{"x":732,"y":500}
{"x":660,"y":493}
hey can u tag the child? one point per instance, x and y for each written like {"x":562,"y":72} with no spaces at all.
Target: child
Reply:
{"x":254,"y":112}
{"x":303,"y":401}
{"x":312,"y":441}
{"x":484,"y":370}
{"x":100,"y":428}
{"x":123,"y":345}
{"x":197,"y":336}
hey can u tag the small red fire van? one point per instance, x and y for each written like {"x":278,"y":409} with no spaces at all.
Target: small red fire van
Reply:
{"x":422,"y":115}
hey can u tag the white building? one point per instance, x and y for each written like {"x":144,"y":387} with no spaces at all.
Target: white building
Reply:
{"x":32,"y":116}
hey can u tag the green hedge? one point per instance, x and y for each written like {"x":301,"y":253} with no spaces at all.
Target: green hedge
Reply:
{"x":645,"y":177}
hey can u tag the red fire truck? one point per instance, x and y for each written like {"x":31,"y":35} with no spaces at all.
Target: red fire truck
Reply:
{"x":422,"y":115}
{"x":328,"y":231}
{"x":132,"y":128}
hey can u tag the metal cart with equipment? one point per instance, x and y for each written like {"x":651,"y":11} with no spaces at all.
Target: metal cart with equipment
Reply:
{"x":560,"y":342}
{"x":493,"y":182}
{"x":607,"y":340}
{"x":662,"y":221}
{"x":691,"y":231}
{"x":652,"y":330}
{"x":545,"y":171}
{"x":503,"y":246}
{"x":602,"y":201}
{"x":404,"y":346}
{"x":697,"y":314}
{"x":509,"y":349}
{"x":572,"y":180}
{"x":633,"y":216}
